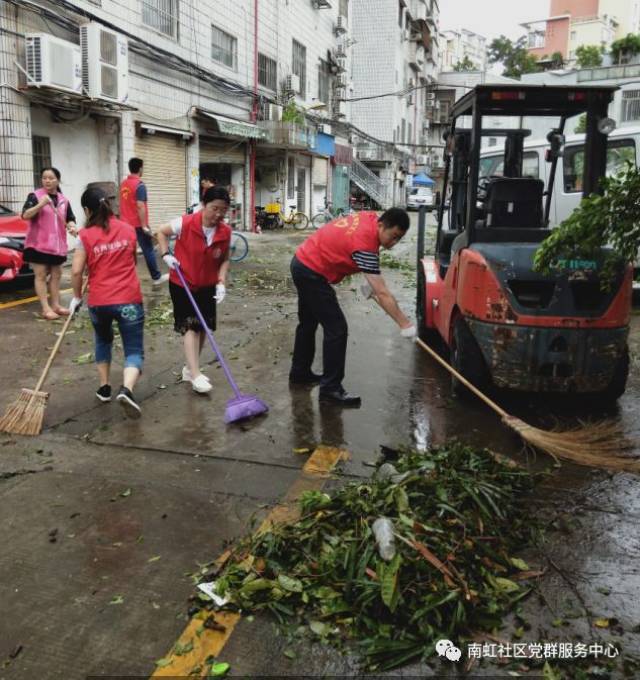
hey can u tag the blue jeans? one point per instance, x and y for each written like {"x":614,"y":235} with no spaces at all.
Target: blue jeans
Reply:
{"x":130,"y":320}
{"x":146,"y":245}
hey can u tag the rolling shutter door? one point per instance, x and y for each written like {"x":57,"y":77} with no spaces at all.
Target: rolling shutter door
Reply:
{"x":227,"y":151}
{"x":320,"y":172}
{"x":165,"y":176}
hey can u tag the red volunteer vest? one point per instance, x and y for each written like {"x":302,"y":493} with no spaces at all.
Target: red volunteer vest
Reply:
{"x":199,"y":262}
{"x":111,"y":262}
{"x":128,"y":202}
{"x":328,"y":251}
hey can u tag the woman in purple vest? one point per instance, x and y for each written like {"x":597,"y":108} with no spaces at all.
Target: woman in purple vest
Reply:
{"x":45,"y":247}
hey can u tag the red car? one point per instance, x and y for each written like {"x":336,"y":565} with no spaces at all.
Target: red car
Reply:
{"x":13,"y":230}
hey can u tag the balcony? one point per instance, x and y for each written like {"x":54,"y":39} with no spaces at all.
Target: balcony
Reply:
{"x":373,"y":152}
{"x":288,"y":135}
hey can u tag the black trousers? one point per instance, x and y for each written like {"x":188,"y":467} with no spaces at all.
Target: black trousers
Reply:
{"x":318,"y":304}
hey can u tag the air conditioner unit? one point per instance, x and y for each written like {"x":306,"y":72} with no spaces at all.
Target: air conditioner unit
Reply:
{"x":342,"y":80}
{"x":422,"y":159}
{"x":274,"y":112}
{"x":341,"y":25}
{"x":54,"y":63}
{"x":324,"y":128}
{"x":105,"y":63}
{"x":292,"y":83}
{"x":431,"y":96}
{"x":426,"y":125}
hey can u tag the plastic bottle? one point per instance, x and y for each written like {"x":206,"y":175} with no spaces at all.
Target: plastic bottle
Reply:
{"x":385,"y":540}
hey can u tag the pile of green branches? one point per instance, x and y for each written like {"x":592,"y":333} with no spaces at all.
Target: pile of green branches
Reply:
{"x":459,"y":517}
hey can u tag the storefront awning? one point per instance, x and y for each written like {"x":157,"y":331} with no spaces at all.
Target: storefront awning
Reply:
{"x":151,"y":129}
{"x":232,"y":126}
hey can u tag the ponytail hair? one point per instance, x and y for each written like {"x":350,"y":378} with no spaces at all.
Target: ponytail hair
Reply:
{"x":96,"y":202}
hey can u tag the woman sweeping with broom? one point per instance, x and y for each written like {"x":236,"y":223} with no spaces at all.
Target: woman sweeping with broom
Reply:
{"x":108,"y":251}
{"x":202,"y":254}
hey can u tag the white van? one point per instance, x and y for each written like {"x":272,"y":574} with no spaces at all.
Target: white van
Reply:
{"x":623,"y":145}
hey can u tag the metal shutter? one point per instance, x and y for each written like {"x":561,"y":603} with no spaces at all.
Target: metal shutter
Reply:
{"x":228,"y":151}
{"x":165,"y":176}
{"x":320,"y":172}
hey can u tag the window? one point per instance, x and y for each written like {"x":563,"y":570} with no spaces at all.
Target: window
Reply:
{"x":410,"y":135}
{"x":41,"y":150}
{"x":403,"y":133}
{"x":267,"y":72}
{"x":630,"y":105}
{"x":161,"y":15}
{"x":400,"y":10}
{"x":494,"y":165}
{"x":224,"y":47}
{"x":299,"y":66}
{"x":324,"y":82}
{"x":344,"y":8}
{"x":619,"y":152}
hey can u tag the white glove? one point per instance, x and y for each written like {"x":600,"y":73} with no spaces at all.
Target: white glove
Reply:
{"x":366,"y":290}
{"x":221,"y":292}
{"x":75,"y":304}
{"x":170,"y":261}
{"x":409,"y":332}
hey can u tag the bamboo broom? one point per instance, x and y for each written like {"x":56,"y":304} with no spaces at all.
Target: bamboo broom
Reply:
{"x":26,"y":414}
{"x":594,"y":445}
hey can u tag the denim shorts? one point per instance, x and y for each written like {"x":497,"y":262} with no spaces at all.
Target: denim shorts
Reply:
{"x":130,"y":320}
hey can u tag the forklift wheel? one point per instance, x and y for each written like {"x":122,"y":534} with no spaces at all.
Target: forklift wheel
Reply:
{"x":618,"y":382}
{"x":467,"y":359}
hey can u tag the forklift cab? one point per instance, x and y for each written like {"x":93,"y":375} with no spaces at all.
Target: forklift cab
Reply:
{"x":512,"y":207}
{"x":505,"y":324}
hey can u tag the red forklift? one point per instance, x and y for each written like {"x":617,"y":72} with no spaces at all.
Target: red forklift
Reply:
{"x":505,"y":325}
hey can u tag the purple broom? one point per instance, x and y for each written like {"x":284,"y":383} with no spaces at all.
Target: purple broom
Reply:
{"x":242,"y":405}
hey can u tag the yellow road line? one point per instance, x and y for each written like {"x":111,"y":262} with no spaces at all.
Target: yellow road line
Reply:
{"x":207,"y":642}
{"x":26,"y":301}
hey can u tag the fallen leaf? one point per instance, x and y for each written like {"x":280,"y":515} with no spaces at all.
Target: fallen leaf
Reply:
{"x":218,"y":669}
{"x":163,"y":663}
{"x":601,"y":623}
{"x":155,"y":558}
{"x":125,"y":493}
{"x":117,"y":599}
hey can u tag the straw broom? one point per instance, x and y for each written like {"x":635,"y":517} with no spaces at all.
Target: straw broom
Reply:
{"x":594,"y":445}
{"x":26,"y":414}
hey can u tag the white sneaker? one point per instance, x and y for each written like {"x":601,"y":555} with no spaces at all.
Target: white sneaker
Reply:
{"x":158,"y":282}
{"x":186,"y":375}
{"x":201,"y":385}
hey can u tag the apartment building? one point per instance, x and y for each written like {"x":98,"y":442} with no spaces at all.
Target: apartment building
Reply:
{"x":190,"y":86}
{"x":572,"y":23}
{"x":394,"y":65}
{"x":461,"y":44}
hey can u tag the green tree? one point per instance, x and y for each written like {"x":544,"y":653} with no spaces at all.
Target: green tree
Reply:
{"x":582,"y":124}
{"x":513,"y":56}
{"x":589,"y":56}
{"x":557,"y":60}
{"x":611,"y":219}
{"x":292,"y":114}
{"x":623,"y":49}
{"x":465,"y":65}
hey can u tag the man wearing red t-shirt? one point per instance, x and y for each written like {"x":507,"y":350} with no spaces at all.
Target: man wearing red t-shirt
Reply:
{"x":345,"y":246}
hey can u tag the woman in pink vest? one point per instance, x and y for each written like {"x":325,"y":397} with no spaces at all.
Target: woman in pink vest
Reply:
{"x":45,"y":247}
{"x":107,"y":249}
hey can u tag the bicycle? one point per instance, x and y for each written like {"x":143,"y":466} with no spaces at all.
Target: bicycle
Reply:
{"x":326,"y":215}
{"x":278,"y":219}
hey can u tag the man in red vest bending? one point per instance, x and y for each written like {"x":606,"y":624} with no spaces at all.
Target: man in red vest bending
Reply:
{"x":345,"y":246}
{"x":134,"y":211}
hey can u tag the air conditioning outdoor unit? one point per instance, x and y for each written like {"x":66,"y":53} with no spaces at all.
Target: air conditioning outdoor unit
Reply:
{"x":341,"y":25}
{"x":274,"y":112}
{"x":105,"y":63}
{"x":422,"y":159}
{"x":292,"y":83}
{"x":52,"y":62}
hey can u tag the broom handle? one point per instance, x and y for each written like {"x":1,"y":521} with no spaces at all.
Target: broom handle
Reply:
{"x":490,"y":403}
{"x":56,"y":347}
{"x":209,"y":334}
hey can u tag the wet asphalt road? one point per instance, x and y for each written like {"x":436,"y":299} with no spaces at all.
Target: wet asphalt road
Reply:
{"x":134,"y":505}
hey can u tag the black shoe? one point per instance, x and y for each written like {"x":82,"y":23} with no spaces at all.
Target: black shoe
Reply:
{"x":340,"y":397}
{"x":128,"y":403}
{"x":104,"y":393}
{"x":309,"y":379}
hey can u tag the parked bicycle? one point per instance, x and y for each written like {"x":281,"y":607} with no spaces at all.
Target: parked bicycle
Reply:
{"x":326,"y":215}
{"x":276,"y":218}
